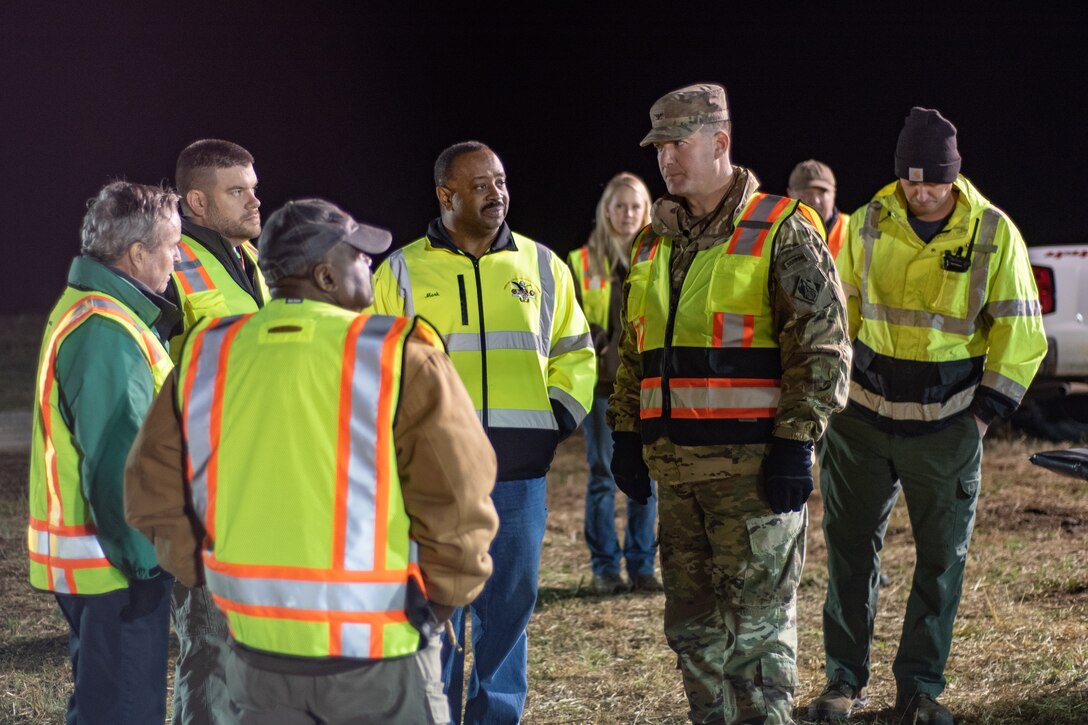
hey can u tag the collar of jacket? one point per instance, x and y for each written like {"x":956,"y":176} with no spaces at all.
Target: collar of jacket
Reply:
{"x":439,"y":237}
{"x":153,"y":309}
{"x":969,"y":204}
{"x":670,"y":216}
{"x":222,"y":250}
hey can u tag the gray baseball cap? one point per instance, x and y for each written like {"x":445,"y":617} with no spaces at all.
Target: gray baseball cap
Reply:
{"x":682,"y":112}
{"x":297,"y":235}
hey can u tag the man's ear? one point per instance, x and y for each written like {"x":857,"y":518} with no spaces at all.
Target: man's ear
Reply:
{"x":445,"y":197}
{"x":323,"y":277}
{"x":197,"y":202}
{"x":721,"y":144}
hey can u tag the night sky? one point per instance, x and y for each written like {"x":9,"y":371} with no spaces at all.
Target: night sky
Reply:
{"x":353,"y":105}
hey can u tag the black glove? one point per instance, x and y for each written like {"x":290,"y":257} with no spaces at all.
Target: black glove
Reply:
{"x":628,"y":468}
{"x":145,"y":595}
{"x":787,"y":474}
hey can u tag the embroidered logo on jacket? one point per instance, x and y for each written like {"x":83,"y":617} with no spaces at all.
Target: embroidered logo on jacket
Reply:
{"x":522,"y":289}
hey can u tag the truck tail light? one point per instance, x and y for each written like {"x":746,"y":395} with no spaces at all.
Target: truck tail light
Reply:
{"x":1044,"y":281}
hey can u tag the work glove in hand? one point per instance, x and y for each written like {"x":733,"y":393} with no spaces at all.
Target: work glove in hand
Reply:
{"x":145,"y":595}
{"x":787,"y":474}
{"x":628,"y":468}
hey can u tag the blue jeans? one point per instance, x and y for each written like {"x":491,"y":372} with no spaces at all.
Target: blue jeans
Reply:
{"x":499,"y":680}
{"x":118,"y":666}
{"x":600,"y":520}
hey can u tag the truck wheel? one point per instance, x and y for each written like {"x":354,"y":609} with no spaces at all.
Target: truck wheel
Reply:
{"x":1059,"y":419}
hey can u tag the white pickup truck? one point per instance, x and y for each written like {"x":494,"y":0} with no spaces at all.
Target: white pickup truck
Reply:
{"x":1056,"y":406}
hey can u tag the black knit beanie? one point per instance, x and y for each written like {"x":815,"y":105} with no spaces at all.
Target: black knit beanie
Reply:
{"x":926,"y":151}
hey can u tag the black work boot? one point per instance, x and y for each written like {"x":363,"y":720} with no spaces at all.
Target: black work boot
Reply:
{"x":922,"y":709}
{"x":837,"y":702}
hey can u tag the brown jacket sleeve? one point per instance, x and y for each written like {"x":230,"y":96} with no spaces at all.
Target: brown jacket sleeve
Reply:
{"x":447,"y":470}
{"x":155,"y":495}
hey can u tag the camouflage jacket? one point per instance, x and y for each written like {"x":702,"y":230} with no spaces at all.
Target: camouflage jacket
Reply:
{"x":812,"y":336}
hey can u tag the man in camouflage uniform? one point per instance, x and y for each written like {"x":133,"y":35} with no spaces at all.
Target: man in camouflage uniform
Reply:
{"x":734,"y":353}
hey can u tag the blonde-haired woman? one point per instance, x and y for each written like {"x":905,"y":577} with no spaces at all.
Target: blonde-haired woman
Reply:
{"x":599,"y":269}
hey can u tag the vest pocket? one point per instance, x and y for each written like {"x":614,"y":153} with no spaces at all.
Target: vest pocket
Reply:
{"x":737,"y":284}
{"x":637,"y":281}
{"x":946,"y":292}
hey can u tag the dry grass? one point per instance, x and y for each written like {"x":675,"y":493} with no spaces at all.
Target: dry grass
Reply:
{"x":1020,"y":654}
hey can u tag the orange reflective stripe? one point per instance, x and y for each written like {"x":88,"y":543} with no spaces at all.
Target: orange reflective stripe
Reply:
{"x":585,"y":268}
{"x":217,"y":422}
{"x":300,"y":573}
{"x":723,"y":413}
{"x":721,"y":382}
{"x":63,"y":529}
{"x":746,"y":329}
{"x":343,"y":445}
{"x":190,"y":272}
{"x":385,"y":430}
{"x":55,"y":563}
{"x":835,"y":237}
{"x":267,"y":611}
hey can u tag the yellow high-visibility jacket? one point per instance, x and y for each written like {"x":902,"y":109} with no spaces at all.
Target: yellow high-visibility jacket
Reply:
{"x":514,"y":332}
{"x":939,"y":328}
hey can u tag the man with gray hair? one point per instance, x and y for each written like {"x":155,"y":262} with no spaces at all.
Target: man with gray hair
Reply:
{"x":734,"y":353}
{"x":217,"y":275}
{"x":102,"y":361}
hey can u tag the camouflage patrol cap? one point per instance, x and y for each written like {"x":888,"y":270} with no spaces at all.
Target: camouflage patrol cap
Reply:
{"x":680,"y":113}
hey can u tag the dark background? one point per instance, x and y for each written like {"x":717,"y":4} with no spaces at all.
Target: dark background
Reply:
{"x":353,"y":102}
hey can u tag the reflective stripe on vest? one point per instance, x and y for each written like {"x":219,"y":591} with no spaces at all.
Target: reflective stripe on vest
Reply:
{"x":836,"y":235}
{"x":718,"y":378}
{"x":358,"y":600}
{"x":65,"y":554}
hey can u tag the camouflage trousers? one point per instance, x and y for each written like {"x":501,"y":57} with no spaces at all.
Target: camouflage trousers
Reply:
{"x":730,"y":569}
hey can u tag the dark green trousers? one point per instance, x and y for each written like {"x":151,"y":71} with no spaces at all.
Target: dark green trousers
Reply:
{"x":862,"y":472}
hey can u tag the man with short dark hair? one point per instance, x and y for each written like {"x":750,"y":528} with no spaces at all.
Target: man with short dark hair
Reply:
{"x":217,"y":275}
{"x":813,"y":183}
{"x":507,"y":310}
{"x":948,"y":335}
{"x":377,"y":471}
{"x":734,"y":353}
{"x":102,"y":361}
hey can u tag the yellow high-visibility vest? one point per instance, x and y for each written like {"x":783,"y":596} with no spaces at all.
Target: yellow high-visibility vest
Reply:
{"x":307,"y":549}
{"x":65,"y":554}
{"x":710,"y":359}
{"x":206,"y":289}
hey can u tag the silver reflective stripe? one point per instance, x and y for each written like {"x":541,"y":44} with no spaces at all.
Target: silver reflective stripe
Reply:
{"x":568,"y":402}
{"x":514,"y":418}
{"x":732,"y":330}
{"x":363,"y":436}
{"x":980,"y":263}
{"x":60,"y":546}
{"x":198,"y":414}
{"x":650,"y":398}
{"x":571,"y":343}
{"x":647,"y":247}
{"x":1006,"y":386}
{"x":325,"y":596}
{"x":725,"y":398}
{"x":399,"y":268}
{"x":917,"y":318}
{"x":470,"y":341}
{"x":912,"y":411}
{"x":60,"y":581}
{"x":355,"y":639}
{"x":749,"y":230}
{"x":1014,"y":308}
{"x":547,"y":296}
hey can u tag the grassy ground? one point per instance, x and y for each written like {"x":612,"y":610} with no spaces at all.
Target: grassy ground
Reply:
{"x":1020,"y":654}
